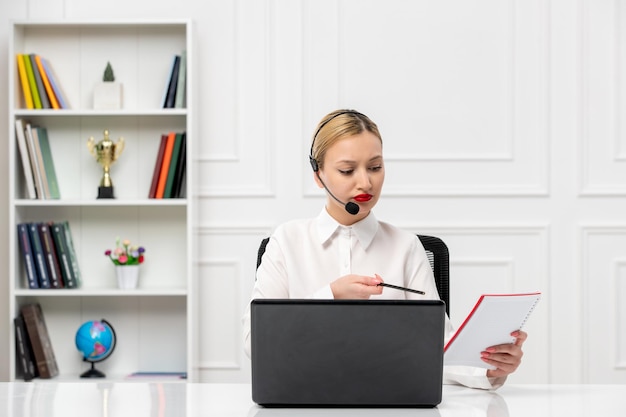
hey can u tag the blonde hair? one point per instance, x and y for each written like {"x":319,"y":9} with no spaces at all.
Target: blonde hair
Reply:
{"x":335,"y":126}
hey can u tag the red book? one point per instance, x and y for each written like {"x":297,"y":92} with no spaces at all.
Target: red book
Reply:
{"x":157,"y":168}
{"x":165,"y":166}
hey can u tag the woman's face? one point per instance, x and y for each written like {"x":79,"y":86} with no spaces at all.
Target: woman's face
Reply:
{"x":353,"y":170}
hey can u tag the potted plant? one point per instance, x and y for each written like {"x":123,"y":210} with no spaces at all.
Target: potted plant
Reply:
{"x":126,"y":259}
{"x":107,"y":95}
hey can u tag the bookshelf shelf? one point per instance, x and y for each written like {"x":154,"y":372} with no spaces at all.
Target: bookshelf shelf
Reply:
{"x":154,"y":322}
{"x":104,"y":292}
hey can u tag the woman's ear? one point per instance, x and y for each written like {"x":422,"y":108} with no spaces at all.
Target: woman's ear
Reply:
{"x":317,"y":179}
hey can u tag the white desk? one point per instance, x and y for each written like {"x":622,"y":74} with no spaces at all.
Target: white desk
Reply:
{"x":138,"y":399}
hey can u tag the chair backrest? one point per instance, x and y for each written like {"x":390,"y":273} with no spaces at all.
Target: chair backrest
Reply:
{"x":438,"y":256}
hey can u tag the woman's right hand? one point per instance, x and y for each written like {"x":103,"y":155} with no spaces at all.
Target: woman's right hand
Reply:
{"x":356,"y":287}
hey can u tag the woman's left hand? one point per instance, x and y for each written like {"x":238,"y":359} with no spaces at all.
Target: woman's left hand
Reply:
{"x":507,"y":357}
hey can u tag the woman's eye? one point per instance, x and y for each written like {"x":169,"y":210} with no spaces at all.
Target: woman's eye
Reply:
{"x":376,"y":168}
{"x":346,"y":171}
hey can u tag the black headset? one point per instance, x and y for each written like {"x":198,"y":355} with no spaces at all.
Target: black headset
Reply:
{"x":313,"y":161}
{"x":350,"y":206}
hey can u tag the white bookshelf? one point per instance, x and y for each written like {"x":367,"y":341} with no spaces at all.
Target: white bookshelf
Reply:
{"x":153,"y":322}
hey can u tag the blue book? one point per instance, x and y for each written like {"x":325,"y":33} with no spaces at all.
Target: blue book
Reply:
{"x":40,"y":257}
{"x":27,"y":254}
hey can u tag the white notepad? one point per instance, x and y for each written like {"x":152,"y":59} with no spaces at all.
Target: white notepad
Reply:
{"x":490,"y":323}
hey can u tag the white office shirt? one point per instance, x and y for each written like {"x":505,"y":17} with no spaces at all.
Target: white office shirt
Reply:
{"x":303,"y":257}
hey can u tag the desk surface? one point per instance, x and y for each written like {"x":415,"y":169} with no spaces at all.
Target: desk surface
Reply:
{"x":137,"y":399}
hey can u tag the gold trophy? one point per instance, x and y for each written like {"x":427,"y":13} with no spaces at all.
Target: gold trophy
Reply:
{"x":106,"y":152}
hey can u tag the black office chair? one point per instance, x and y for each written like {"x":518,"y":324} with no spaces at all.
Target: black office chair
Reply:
{"x":438,"y":256}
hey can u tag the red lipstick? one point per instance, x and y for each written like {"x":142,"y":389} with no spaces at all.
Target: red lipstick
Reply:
{"x":362,"y":198}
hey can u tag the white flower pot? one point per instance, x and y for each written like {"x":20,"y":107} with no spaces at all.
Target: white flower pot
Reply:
{"x":127,"y":276}
{"x":107,"y":96}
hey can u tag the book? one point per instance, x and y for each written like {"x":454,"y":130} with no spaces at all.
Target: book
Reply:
{"x":38,"y":253}
{"x":491,"y":322}
{"x":180,"y":168}
{"x":26,"y":365}
{"x":40,"y":340}
{"x":50,"y":254}
{"x":170,"y":98}
{"x":45,"y":103}
{"x":181,"y":90}
{"x":48,"y":163}
{"x":28,"y":66}
{"x":27,"y":254}
{"x":54,"y":83}
{"x":71,"y":252}
{"x":25,"y":158}
{"x":165,"y":166}
{"x":157,"y":167}
{"x":65,"y":262}
{"x":26,"y":93}
{"x":34,"y":133}
{"x":46,"y":83}
{"x":171,"y":172}
{"x":34,"y":162}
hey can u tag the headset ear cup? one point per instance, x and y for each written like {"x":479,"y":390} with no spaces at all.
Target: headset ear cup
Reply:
{"x":313,"y":164}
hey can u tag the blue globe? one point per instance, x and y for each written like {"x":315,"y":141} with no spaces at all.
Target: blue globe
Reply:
{"x":95,"y":340}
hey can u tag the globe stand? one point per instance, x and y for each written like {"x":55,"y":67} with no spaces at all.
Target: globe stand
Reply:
{"x":93,"y":372}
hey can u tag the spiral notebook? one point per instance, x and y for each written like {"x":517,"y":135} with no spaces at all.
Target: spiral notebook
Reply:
{"x":490,"y":323}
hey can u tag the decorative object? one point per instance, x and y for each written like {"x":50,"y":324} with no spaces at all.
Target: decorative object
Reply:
{"x":126,"y":259}
{"x":107,"y":95}
{"x":127,"y":276}
{"x":106,"y":153}
{"x":96,"y":341}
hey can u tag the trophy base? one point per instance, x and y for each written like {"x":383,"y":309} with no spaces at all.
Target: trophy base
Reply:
{"x":105,"y":192}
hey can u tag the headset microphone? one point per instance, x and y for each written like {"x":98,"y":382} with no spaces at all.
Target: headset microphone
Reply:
{"x":350,"y":207}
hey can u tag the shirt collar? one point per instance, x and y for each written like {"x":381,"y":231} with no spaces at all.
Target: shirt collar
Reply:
{"x":365,"y":230}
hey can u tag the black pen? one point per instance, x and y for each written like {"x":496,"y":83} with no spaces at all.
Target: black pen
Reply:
{"x":383,"y":284}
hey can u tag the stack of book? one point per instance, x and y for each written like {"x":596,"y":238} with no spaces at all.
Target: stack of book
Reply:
{"x":37,"y":162}
{"x":174,"y":95}
{"x":168,"y":178}
{"x":40,"y":86}
{"x":49,"y":257}
{"x":35,"y":355}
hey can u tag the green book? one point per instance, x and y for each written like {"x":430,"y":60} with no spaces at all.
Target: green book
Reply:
{"x":171,"y":173}
{"x":31,"y":81}
{"x":48,"y":162}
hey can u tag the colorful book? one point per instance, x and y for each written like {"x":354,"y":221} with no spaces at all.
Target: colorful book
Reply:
{"x":46,"y":83}
{"x":181,"y":90}
{"x":52,"y":261}
{"x":40,"y":260}
{"x":170,"y":100}
{"x":26,"y":93}
{"x":40,"y":340}
{"x":167,"y":157}
{"x":27,"y":367}
{"x":62,"y":250}
{"x":180,"y":168}
{"x":31,"y":81}
{"x":54,"y":83}
{"x":25,"y":158}
{"x":157,"y":167}
{"x":171,"y":172}
{"x":27,"y":254}
{"x":48,"y":163}
{"x":72,"y":252}
{"x":45,"y":103}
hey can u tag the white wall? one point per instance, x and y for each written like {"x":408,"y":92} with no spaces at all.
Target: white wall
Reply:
{"x":503,"y":126}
